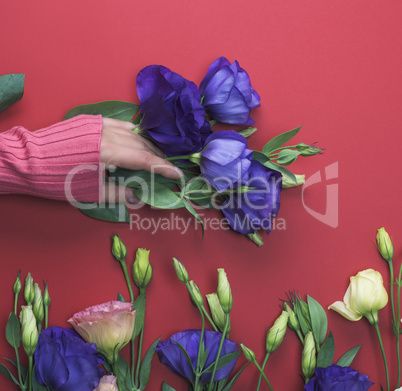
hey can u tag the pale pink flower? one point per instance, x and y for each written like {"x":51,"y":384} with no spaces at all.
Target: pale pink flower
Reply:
{"x":110,"y":326}
{"x":107,"y":383}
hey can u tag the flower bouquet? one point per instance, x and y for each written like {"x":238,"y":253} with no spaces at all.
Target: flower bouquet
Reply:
{"x":219,"y":170}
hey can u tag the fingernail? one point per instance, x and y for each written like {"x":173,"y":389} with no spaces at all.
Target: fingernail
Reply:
{"x":180,"y":172}
{"x":132,"y":200}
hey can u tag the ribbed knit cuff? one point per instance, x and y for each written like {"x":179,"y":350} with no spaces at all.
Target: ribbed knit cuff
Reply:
{"x":61,"y":162}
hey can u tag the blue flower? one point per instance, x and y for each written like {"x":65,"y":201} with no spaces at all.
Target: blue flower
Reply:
{"x":255,"y":209}
{"x":225,"y":160}
{"x":65,"y":362}
{"x":227,"y":93}
{"x":336,"y":378}
{"x":171,"y":111}
{"x":171,"y":356}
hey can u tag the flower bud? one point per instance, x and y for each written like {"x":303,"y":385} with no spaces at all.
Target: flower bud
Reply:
{"x":119,"y":250}
{"x":195,"y":294}
{"x":29,"y":293}
{"x":224,"y":291}
{"x":218,"y":316}
{"x":309,"y":360}
{"x":142,"y":270}
{"x":248,"y":353}
{"x":181,"y":271}
{"x":29,"y":330}
{"x":38,"y":305}
{"x":384,"y":244}
{"x":46,"y":297}
{"x":308,"y":150}
{"x":293,"y":323}
{"x":277,"y":332}
{"x":288,"y":182}
{"x":365,"y":296}
{"x":17,"y":284}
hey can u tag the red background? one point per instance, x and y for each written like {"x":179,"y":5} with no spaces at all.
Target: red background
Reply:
{"x":333,"y":66}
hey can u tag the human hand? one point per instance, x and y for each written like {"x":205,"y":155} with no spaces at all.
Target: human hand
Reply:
{"x":121,"y":147}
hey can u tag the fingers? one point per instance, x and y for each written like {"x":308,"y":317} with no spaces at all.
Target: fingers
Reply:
{"x":122,"y":147}
{"x":114,"y":194}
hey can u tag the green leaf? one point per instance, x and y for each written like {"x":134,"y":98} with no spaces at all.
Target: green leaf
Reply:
{"x":279,"y":140}
{"x":282,"y":170}
{"x":35,"y":384}
{"x":5,"y":371}
{"x":348,"y":357}
{"x":260,"y":157}
{"x":139,"y":307}
{"x":11,"y":89}
{"x":186,"y":356}
{"x":326,"y":354}
{"x":120,"y":297}
{"x":23,"y":369}
{"x":145,"y":368}
{"x":319,"y":322}
{"x":124,"y":373}
{"x":160,"y":196}
{"x":195,"y":214}
{"x":303,"y":315}
{"x":287,"y":156}
{"x":234,"y":378}
{"x":124,"y":111}
{"x":223,"y":361}
{"x":166,"y":387}
{"x":117,"y":213}
{"x":13,"y":331}
{"x":247,"y":132}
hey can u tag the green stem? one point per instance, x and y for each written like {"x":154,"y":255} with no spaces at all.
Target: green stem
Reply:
{"x":219,"y":353}
{"x":209,"y":318}
{"x":117,"y":374}
{"x":46,"y":316}
{"x":17,"y":357}
{"x":30,"y":365}
{"x":200,"y":344}
{"x":397,"y":329}
{"x":187,"y":157}
{"x":140,"y":340}
{"x":280,"y":148}
{"x":263,"y":375}
{"x":133,"y":361}
{"x":391,"y":272}
{"x":262,"y":368}
{"x":126,"y":276}
{"x":377,"y":329}
{"x":15,"y":303}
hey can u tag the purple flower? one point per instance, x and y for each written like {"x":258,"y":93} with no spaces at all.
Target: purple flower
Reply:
{"x":171,"y":356}
{"x":225,"y":159}
{"x":250,"y":211}
{"x":64,"y":361}
{"x":171,"y":111}
{"x":227,"y":93}
{"x":336,"y":378}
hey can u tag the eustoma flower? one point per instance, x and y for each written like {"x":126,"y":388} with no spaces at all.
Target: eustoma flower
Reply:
{"x":227,"y":93}
{"x":110,"y":326}
{"x":336,"y":378}
{"x":170,"y":354}
{"x":225,"y":160}
{"x":64,"y":362}
{"x":365,"y":296}
{"x":171,"y":111}
{"x":255,"y":209}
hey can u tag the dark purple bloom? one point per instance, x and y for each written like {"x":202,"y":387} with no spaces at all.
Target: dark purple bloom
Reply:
{"x":65,"y":362}
{"x":255,"y":209}
{"x":170,"y":354}
{"x":227,"y":93}
{"x":336,"y":378}
{"x":225,"y":159}
{"x":171,"y":111}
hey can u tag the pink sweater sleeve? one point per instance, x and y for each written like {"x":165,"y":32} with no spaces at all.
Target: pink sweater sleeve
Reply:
{"x":59,"y":162}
